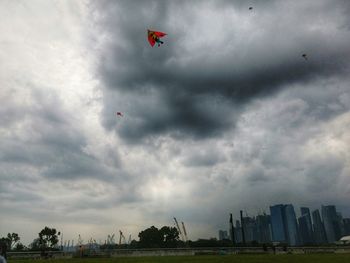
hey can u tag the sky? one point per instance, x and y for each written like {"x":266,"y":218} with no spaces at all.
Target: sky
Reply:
{"x":225,"y":116}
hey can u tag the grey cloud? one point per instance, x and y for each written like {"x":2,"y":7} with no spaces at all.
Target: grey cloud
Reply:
{"x":324,"y":173}
{"x":74,"y":165}
{"x":203,"y":158}
{"x":235,"y":72}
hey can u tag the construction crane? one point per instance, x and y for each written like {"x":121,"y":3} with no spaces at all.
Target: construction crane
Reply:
{"x":110,"y":239}
{"x":121,"y":236}
{"x":178,"y":229}
{"x":184,"y":230}
{"x":80,"y":240}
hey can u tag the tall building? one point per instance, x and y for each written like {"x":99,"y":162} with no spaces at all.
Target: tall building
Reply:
{"x":250,"y":229}
{"x":278,"y":224}
{"x":238,"y":232}
{"x":306,"y":211}
{"x":223,"y":235}
{"x":339,"y":226}
{"x":319,"y":231}
{"x":291,"y":225}
{"x":331,"y":223}
{"x":305,"y":236}
{"x":263,"y":223}
{"x":346,"y":223}
{"x":305,"y":226}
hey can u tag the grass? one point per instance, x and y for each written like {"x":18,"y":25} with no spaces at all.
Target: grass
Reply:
{"x":311,"y":258}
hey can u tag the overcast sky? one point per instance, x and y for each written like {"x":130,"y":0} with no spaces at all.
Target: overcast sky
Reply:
{"x":225,"y":115}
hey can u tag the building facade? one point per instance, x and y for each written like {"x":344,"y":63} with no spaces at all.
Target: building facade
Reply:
{"x":319,"y":231}
{"x":278,"y":226}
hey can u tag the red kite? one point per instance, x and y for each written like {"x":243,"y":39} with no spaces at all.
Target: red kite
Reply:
{"x":154,"y":37}
{"x":119,"y":114}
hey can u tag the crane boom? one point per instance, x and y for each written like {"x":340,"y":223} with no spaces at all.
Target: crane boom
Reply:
{"x":121,"y":236}
{"x":184,"y":229}
{"x":178,"y":229}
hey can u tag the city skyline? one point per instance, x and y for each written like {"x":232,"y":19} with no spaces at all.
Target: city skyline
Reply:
{"x":283,"y":226}
{"x":238,"y":109}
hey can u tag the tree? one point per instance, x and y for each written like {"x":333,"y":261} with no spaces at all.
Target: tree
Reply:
{"x":151,"y":237}
{"x":154,"y":237}
{"x":12,"y":239}
{"x":35,"y":245}
{"x":3,"y":246}
{"x":170,"y":236}
{"x":48,"y":238}
{"x":19,"y":247}
{"x":5,"y":242}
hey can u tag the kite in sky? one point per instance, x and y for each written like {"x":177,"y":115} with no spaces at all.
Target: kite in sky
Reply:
{"x":119,"y":114}
{"x":304,"y":56}
{"x":154,"y":37}
{"x":250,"y":8}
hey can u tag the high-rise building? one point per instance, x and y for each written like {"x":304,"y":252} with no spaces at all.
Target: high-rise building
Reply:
{"x":339,"y":226}
{"x":319,"y":231}
{"x":250,"y":229}
{"x":284,"y":224}
{"x":223,"y":235}
{"x":291,"y":225}
{"x":331,"y":223}
{"x":238,"y":232}
{"x":346,"y":223}
{"x":305,"y":237}
{"x":278,"y":224}
{"x":263,"y":223}
{"x":305,"y":226}
{"x":306,"y":211}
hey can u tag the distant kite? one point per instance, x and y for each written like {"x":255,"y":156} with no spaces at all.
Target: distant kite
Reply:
{"x":304,"y":56}
{"x":154,"y":37}
{"x":250,"y":8}
{"x":120,"y":114}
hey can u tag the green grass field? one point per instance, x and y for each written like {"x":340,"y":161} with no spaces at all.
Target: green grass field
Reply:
{"x":313,"y":258}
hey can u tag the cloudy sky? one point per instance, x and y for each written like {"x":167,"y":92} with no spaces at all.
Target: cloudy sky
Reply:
{"x":226,"y":115}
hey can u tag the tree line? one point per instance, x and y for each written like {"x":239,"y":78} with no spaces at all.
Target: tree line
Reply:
{"x":152,"y":237}
{"x":47,"y":240}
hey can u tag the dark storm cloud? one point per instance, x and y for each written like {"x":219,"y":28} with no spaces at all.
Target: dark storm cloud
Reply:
{"x":228,"y":70}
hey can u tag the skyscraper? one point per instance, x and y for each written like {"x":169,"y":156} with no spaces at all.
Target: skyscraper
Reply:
{"x":346,"y":223}
{"x":305,"y":226}
{"x":238,"y":232}
{"x":339,"y":226}
{"x":331,"y":223}
{"x":263,"y":223}
{"x":278,"y":224}
{"x":291,"y":225}
{"x":306,"y":211}
{"x":250,"y":229}
{"x":304,"y":231}
{"x":319,"y":231}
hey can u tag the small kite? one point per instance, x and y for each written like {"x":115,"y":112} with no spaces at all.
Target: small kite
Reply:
{"x":154,"y":37}
{"x":304,"y":56}
{"x":250,"y":8}
{"x":120,"y":114}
